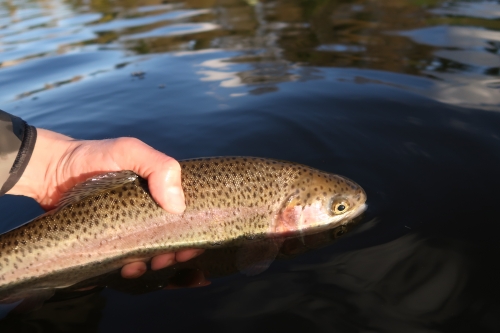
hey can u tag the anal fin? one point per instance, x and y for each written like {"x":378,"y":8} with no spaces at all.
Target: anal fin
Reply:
{"x":25,"y":304}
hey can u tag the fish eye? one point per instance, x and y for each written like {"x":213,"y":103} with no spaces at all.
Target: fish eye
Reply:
{"x":340,"y":207}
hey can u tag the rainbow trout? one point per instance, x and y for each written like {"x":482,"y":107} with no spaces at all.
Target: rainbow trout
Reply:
{"x":111,"y":219}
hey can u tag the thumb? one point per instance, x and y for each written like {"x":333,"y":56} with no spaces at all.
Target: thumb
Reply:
{"x":165,"y":187}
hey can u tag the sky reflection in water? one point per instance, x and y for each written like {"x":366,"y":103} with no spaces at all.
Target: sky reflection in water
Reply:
{"x":453,"y":38}
{"x":397,"y":95}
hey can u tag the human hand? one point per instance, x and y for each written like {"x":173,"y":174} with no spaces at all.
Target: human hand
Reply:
{"x":59,"y":162}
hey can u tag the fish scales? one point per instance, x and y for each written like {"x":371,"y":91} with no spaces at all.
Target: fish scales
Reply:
{"x":228,"y":200}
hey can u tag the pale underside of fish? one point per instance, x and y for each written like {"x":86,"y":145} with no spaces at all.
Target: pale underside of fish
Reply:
{"x":111,"y":220}
{"x":201,"y":270}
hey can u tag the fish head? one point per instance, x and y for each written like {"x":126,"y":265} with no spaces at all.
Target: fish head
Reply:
{"x":318,"y":201}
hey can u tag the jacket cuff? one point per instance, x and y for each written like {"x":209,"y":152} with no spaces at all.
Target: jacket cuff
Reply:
{"x":23,"y":156}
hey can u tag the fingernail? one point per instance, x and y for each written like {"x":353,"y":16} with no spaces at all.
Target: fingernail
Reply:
{"x":175,"y":199}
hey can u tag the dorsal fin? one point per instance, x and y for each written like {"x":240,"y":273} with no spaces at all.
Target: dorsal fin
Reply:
{"x":97,"y":184}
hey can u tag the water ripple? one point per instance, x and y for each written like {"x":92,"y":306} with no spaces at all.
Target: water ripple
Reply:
{"x":142,"y":21}
{"x":453,"y":36}
{"x":480,"y":9}
{"x":174,"y":30}
{"x":42,"y":47}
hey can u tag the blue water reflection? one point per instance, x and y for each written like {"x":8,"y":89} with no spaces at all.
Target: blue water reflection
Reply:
{"x":401,"y":96}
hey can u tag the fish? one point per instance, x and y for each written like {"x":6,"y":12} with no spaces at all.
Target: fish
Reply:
{"x":111,"y":220}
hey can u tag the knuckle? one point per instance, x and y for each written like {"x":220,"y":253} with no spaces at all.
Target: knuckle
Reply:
{"x":129,"y":143}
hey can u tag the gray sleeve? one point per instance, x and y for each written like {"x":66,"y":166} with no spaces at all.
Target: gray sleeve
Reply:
{"x":17,"y":141}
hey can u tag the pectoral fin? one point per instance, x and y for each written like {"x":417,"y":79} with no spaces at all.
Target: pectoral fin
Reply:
{"x":97,"y":184}
{"x":255,"y":257}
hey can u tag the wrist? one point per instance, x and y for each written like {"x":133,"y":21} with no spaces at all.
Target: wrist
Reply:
{"x":51,"y":150}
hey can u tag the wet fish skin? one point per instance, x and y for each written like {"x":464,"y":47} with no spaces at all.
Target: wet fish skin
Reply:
{"x":228,"y":200}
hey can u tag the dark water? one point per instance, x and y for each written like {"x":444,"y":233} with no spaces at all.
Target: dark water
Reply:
{"x":403,"y":96}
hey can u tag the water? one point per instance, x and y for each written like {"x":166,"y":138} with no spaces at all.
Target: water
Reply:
{"x":402,"y":96}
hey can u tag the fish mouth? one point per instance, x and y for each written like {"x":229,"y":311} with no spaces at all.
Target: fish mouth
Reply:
{"x":358,"y":211}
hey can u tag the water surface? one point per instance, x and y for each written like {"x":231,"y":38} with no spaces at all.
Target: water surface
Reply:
{"x":402,"y":96}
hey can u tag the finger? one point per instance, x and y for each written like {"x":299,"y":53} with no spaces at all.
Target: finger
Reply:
{"x":186,"y":255}
{"x":133,"y":270}
{"x":162,"y":172}
{"x":162,"y":261}
{"x":165,"y":187}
